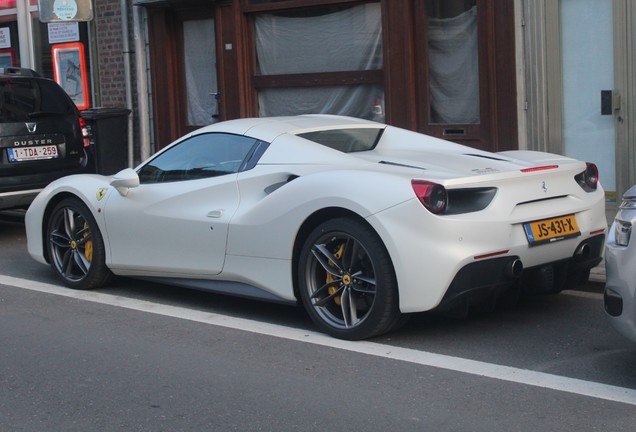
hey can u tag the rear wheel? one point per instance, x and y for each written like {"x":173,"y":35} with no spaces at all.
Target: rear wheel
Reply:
{"x":347,"y":281}
{"x":75,"y":246}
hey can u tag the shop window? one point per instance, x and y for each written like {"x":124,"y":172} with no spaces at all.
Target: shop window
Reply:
{"x":7,"y":5}
{"x":45,"y":38}
{"x":320,"y":60}
{"x":9,"y":48}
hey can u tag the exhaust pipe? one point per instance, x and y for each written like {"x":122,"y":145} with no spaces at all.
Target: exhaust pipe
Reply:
{"x":514,"y":268}
{"x":582,"y":252}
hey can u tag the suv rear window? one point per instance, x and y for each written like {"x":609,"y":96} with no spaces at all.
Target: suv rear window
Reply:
{"x":23,"y":100}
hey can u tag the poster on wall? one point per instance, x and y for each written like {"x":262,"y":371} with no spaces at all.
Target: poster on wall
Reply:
{"x":7,"y":58}
{"x":5,"y":37}
{"x":69,"y":71}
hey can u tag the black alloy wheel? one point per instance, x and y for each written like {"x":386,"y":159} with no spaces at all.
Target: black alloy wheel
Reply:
{"x":347,"y":281}
{"x":75,"y":246}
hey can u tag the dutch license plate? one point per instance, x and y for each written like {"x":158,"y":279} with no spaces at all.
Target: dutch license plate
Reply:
{"x":32,"y":153}
{"x":551,"y":230}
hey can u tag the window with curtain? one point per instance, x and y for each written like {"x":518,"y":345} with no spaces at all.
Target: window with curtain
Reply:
{"x":453,"y":62}
{"x":325,"y":60}
{"x":199,"y":48}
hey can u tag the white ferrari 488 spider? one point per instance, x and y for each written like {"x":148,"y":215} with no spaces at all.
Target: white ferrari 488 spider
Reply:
{"x":361,"y":222}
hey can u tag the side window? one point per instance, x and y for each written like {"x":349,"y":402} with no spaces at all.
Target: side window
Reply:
{"x":346,"y":140}
{"x":198,"y":157}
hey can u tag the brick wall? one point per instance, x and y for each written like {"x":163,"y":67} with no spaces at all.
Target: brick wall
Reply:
{"x":111,"y":86}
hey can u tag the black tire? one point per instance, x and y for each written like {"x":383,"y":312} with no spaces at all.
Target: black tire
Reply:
{"x":75,"y":246}
{"x":347,"y":282}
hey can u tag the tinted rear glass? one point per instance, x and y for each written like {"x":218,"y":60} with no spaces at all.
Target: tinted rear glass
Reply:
{"x":346,"y":140}
{"x":24,"y":100}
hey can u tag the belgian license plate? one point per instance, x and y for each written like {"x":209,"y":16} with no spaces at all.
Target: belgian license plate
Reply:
{"x":20,"y":154}
{"x":551,"y":230}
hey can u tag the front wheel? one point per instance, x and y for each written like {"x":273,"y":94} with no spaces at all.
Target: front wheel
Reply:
{"x":75,"y":246}
{"x":347,"y":282}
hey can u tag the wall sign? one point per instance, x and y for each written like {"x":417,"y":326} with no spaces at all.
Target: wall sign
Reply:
{"x":7,"y":58}
{"x":5,"y":37}
{"x":63,"y":32}
{"x":65,"y":10}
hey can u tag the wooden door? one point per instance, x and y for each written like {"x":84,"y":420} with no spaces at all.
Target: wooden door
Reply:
{"x":190,"y":49}
{"x":465,"y":72}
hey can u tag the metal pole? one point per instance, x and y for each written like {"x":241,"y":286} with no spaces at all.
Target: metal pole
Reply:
{"x":127,"y":76}
{"x":27,"y":57}
{"x":142,"y":84}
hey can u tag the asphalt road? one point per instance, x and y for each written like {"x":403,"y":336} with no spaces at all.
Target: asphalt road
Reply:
{"x":138,"y":356}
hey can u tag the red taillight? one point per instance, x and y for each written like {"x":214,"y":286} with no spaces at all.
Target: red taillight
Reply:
{"x":86,"y":140}
{"x":588,"y":179}
{"x":591,"y":175}
{"x":432,"y":195}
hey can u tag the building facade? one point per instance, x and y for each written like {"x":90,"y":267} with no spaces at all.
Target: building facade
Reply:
{"x":435,"y":66}
{"x":492,"y":74}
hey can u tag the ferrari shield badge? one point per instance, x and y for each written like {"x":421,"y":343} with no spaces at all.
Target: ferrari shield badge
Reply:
{"x":101,"y":193}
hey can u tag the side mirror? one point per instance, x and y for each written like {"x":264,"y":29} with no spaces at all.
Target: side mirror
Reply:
{"x":125,"y":180}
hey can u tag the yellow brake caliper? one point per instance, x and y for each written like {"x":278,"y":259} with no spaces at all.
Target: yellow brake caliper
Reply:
{"x":88,"y":246}
{"x":331,"y":278}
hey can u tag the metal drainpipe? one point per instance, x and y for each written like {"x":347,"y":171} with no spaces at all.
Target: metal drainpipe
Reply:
{"x":27,"y":56}
{"x":127,"y":76}
{"x":142,"y":84}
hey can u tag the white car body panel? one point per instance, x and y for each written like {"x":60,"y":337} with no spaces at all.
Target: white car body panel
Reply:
{"x":449,"y":246}
{"x":233,"y":228}
{"x":84,"y":186}
{"x":176,"y":231}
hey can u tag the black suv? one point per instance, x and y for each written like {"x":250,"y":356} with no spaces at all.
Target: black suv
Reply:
{"x":42,"y":136}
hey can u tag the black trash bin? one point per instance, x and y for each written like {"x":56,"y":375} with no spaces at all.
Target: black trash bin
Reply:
{"x":108,"y":133}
